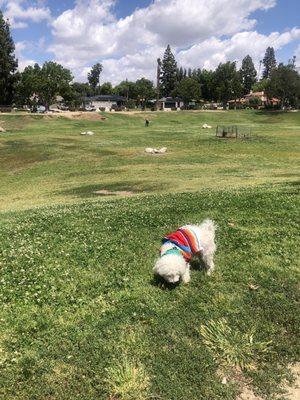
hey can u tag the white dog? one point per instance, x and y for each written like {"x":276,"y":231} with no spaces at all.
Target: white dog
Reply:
{"x":188,"y":243}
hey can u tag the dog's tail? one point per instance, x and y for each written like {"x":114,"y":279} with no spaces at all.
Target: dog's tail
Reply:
{"x":209,"y":224}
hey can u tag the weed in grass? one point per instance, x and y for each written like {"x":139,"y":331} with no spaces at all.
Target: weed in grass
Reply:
{"x":127,"y":380}
{"x":232,"y":348}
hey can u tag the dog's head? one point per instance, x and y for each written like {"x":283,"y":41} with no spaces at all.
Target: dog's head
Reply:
{"x":171,"y":267}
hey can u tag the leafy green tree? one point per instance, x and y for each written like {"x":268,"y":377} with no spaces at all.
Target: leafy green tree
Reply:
{"x":75,"y":97}
{"x":269,"y":62}
{"x":8,"y":63}
{"x":145,"y":91}
{"x":284,"y":84}
{"x":169,"y":72}
{"x":54,"y":80}
{"x":227,"y":82}
{"x":28,"y":86}
{"x":188,"y":89}
{"x":126,"y":89}
{"x":106,"y":89}
{"x":94,"y":76}
{"x":196,"y":74}
{"x":43,"y":84}
{"x":207,"y":82}
{"x":260,"y":86}
{"x":248,"y":74}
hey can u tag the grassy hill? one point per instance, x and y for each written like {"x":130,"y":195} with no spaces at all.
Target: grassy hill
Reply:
{"x":82,"y":316}
{"x":45,"y":160}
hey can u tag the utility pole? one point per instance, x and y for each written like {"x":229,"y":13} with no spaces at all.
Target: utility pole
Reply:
{"x":260,"y":62}
{"x":158,"y":83}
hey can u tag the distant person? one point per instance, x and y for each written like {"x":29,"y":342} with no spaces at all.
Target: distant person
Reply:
{"x":147,"y":122}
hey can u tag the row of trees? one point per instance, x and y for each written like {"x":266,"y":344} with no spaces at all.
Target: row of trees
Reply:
{"x":43,"y":83}
{"x":227,"y":82}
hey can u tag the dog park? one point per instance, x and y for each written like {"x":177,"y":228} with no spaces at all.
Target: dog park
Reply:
{"x":82,"y":218}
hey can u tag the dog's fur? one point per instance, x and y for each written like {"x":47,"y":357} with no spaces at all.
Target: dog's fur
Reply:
{"x":173,"y":267}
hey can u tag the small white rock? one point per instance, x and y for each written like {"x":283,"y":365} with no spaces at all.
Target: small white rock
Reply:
{"x":224,"y":381}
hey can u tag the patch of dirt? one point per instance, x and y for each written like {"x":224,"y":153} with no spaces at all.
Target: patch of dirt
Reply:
{"x":85,"y":116}
{"x":105,"y":192}
{"x":247,"y":394}
{"x":292,"y":391}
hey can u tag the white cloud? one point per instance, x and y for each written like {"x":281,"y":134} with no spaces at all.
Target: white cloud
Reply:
{"x":202,"y":34}
{"x":19,"y":11}
{"x":22,"y":60}
{"x":213,"y":51}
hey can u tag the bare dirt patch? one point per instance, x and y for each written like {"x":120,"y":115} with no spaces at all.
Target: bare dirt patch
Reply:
{"x":105,"y":192}
{"x":85,"y":116}
{"x":292,"y":391}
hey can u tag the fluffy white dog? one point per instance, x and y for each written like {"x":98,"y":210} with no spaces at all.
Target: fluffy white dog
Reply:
{"x":190,"y":243}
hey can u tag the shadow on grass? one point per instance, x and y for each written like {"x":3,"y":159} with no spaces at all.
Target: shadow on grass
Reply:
{"x":159,"y":282}
{"x":134,"y":187}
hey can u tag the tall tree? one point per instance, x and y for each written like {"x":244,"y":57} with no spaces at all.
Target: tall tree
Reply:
{"x":248,"y":74}
{"x":207,"y":82}
{"x":94,"y":75}
{"x":169,"y":72}
{"x":8,"y":63}
{"x":284,"y":84}
{"x":227,"y":82}
{"x":188,"y":89}
{"x":269,"y":62}
{"x":145,"y":91}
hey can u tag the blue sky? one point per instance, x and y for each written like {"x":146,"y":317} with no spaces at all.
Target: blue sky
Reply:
{"x":128,"y":36}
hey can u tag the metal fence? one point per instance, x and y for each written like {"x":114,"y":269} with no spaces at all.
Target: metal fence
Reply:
{"x":233,"y":131}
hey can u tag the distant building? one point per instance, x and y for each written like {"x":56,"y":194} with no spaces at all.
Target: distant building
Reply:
{"x":105,"y":101}
{"x":259,"y":99}
{"x":169,"y":103}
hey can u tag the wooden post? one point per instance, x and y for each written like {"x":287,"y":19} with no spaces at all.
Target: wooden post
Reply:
{"x":158,"y":83}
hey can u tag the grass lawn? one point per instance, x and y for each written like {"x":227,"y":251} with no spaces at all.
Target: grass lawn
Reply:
{"x":82,"y":316}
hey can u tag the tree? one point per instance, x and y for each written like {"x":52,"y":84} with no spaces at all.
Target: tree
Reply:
{"x":126,"y":89}
{"x":145,"y":91}
{"x":106,"y":89}
{"x":169,"y":72}
{"x":188,"y":89}
{"x":54,"y":80}
{"x":28,"y":86}
{"x":227,"y":82}
{"x":44,"y":83}
{"x":179,"y":74}
{"x":248,"y":74}
{"x":260,"y":86}
{"x":75,"y":97}
{"x":94,"y":76}
{"x":207,"y":83}
{"x":8,"y":63}
{"x":269,"y":62}
{"x":284,"y":83}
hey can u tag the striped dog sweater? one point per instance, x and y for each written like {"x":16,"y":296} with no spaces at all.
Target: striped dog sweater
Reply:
{"x":186,"y":239}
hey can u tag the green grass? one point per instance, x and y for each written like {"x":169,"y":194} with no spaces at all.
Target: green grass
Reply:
{"x":82,"y":316}
{"x":46,"y":161}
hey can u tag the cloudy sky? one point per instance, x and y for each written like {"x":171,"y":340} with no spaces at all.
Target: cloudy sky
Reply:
{"x":127,"y":36}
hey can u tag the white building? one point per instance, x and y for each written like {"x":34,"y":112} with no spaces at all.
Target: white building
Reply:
{"x":169,"y":103}
{"x":105,"y":101}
